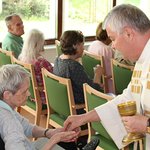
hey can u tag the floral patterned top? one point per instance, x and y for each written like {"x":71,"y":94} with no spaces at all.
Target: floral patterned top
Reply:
{"x":38,"y":65}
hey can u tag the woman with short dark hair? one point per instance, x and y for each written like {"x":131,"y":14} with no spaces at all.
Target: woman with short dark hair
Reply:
{"x":67,"y":66}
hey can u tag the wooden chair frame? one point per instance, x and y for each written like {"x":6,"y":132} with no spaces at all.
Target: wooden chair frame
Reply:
{"x":58,"y":48}
{"x":124,"y":66}
{"x":100,"y":59}
{"x":90,"y":90}
{"x":72,"y":105}
{"x":38,"y":103}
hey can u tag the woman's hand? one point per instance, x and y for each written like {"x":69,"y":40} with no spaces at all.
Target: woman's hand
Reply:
{"x":137,"y":123}
{"x":59,"y":135}
{"x":98,"y":70}
{"x":52,"y":132}
{"x":66,"y":136}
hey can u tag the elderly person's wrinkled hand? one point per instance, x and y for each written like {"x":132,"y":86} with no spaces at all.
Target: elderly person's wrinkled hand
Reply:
{"x":64,"y":136}
{"x":53,"y":132}
{"x":137,"y":123}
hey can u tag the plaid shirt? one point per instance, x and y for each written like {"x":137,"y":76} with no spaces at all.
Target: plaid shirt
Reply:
{"x":38,"y":65}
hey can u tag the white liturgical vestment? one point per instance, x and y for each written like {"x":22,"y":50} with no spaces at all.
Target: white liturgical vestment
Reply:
{"x":138,"y":90}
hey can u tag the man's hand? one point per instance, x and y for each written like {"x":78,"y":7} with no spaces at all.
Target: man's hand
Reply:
{"x":137,"y":123}
{"x":73,"y":122}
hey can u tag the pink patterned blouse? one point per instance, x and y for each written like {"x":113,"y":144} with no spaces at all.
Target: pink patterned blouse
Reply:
{"x":38,"y":65}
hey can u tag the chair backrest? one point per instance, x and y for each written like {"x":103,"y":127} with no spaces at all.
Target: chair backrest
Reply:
{"x":121,"y":76}
{"x":94,"y":98}
{"x":89,"y":61}
{"x":34,"y":103}
{"x":33,"y":82}
{"x":60,"y":100}
{"x":5,"y":57}
{"x":58,"y":48}
{"x":59,"y":94}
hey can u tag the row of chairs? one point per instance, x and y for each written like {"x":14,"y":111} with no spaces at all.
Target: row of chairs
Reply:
{"x":93,"y":98}
{"x":60,"y":102}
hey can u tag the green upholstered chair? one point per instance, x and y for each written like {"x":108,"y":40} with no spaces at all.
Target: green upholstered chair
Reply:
{"x":5,"y":57}
{"x":89,"y":61}
{"x":121,"y":76}
{"x":34,"y":104}
{"x":60,"y":100}
{"x":94,"y":98}
{"x":58,"y":48}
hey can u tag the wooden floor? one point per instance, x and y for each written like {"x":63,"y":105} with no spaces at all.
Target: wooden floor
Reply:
{"x":31,"y":118}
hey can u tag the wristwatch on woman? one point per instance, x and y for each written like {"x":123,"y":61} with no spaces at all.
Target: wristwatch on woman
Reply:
{"x":148,"y":126}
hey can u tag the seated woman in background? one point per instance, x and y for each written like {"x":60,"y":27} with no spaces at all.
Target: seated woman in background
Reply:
{"x":67,"y":66}
{"x":101,"y":46}
{"x":33,"y":45}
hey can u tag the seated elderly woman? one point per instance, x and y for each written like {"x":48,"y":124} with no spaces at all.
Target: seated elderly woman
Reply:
{"x":33,"y":45}
{"x":14,"y":128}
{"x":66,"y":65}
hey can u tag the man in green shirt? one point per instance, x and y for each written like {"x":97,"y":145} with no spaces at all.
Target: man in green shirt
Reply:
{"x":13,"y":40}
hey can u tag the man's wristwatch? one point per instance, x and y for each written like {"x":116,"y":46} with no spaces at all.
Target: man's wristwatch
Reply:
{"x":148,"y":126}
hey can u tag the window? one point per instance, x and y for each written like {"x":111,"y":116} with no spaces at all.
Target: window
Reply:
{"x":53,"y":17}
{"x":34,"y":13}
{"x":85,"y":15}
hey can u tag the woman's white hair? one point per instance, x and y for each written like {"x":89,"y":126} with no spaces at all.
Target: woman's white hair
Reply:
{"x":11,"y":78}
{"x":33,"y":44}
{"x":127,"y":15}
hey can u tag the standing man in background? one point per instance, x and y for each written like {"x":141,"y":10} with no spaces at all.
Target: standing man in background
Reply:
{"x":13,"y":40}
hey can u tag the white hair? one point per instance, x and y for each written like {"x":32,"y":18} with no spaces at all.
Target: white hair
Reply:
{"x":127,"y":15}
{"x":11,"y":78}
{"x":32,"y":46}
